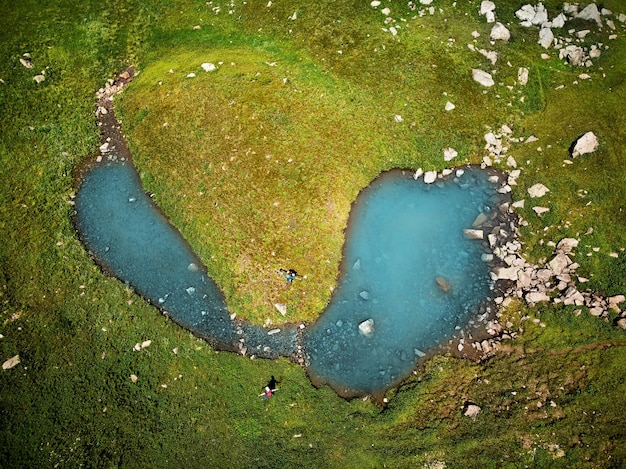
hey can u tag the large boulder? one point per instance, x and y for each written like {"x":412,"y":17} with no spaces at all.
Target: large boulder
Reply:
{"x":499,"y":32}
{"x":588,"y":143}
{"x":591,"y":13}
{"x":546,"y":37}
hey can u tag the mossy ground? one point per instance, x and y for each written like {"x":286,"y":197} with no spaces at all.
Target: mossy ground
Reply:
{"x":322,"y":91}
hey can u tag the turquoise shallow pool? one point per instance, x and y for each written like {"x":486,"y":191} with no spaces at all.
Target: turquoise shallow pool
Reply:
{"x":408,"y":271}
{"x":404,"y":236}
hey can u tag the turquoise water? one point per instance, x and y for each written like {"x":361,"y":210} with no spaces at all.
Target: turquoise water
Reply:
{"x":403,"y":236}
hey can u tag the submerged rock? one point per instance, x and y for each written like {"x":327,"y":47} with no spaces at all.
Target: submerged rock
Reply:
{"x":443,"y":284}
{"x":366,"y":328}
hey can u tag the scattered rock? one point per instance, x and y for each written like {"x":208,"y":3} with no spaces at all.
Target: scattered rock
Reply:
{"x":449,"y":153}
{"x":449,"y":106}
{"x":499,"y":32}
{"x":11,"y":362}
{"x":472,"y":411}
{"x":26,"y":63}
{"x":282,"y":308}
{"x":591,"y":13}
{"x":541,"y":210}
{"x":134,"y":378}
{"x":208,"y":67}
{"x":588,"y":143}
{"x":482,"y":77}
{"x":522,"y":76}
{"x":546,"y":37}
{"x":538,"y":190}
{"x":39,"y":78}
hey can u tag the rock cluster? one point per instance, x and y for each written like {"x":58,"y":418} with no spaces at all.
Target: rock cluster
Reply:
{"x":537,"y":16}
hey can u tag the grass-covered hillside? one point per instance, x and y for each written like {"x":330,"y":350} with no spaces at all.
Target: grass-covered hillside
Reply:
{"x":257,"y":162}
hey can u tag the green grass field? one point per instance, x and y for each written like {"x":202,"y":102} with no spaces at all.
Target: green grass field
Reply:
{"x":257,"y":164}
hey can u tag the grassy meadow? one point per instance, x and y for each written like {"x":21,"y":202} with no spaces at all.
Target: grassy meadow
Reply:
{"x":257,"y":163}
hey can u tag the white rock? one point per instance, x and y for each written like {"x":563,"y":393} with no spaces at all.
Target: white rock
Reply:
{"x":26,"y":63}
{"x":541,"y":210}
{"x":282,"y":308}
{"x":588,"y":143}
{"x":490,"y":16}
{"x":11,"y":362}
{"x":472,"y":411}
{"x":591,"y":13}
{"x":526,"y":13}
{"x":366,"y":327}
{"x":538,"y":190}
{"x":273,"y":331}
{"x":492,"y":55}
{"x":430,"y":177}
{"x":134,"y":378}
{"x":449,"y":153}
{"x":567,"y":244}
{"x":546,"y":37}
{"x":510,"y":161}
{"x":375,"y":3}
{"x":491,"y":139}
{"x":426,"y":2}
{"x":519,"y":203}
{"x":487,"y":6}
{"x":522,"y":76}
{"x":418,"y":173}
{"x":191,"y":75}
{"x":449,"y":106}
{"x":398,"y":118}
{"x":500,"y":32}
{"x":573,"y":54}
{"x":385,"y":11}
{"x":146,"y":343}
{"x":541,"y":15}
{"x":482,"y":77}
{"x":39,"y":78}
{"x":208,"y":67}
{"x":559,"y":21}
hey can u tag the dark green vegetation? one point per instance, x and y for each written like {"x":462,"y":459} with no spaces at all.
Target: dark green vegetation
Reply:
{"x":554,"y":398}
